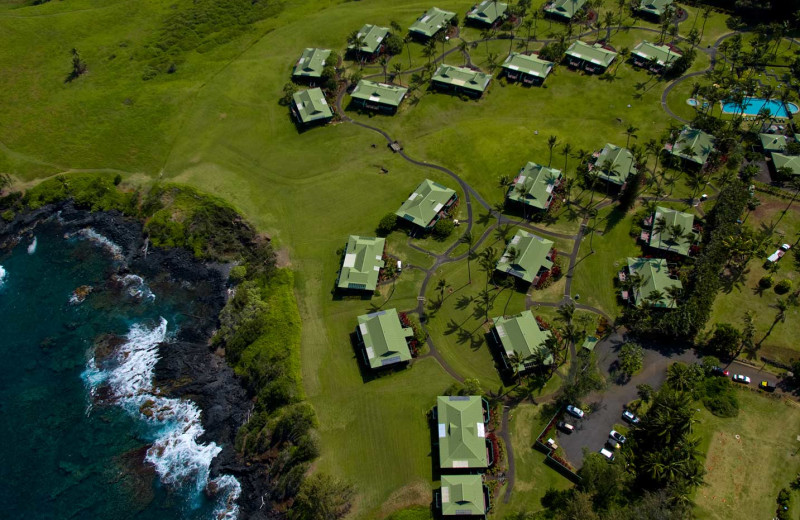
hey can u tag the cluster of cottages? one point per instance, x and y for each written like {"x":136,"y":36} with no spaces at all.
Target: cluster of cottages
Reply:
{"x":568,"y":10}
{"x":775,"y":145}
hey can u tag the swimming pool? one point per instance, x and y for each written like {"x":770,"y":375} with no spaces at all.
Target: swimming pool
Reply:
{"x":753,"y":106}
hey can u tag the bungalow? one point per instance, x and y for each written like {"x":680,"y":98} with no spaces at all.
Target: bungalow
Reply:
{"x":461,"y":80}
{"x":431,"y":23}
{"x":309,"y":106}
{"x":614,"y":164}
{"x":773,"y":142}
{"x":463,"y":495}
{"x":487,"y":13}
{"x":362,"y":263}
{"x":461,"y":422}
{"x":657,"y":58}
{"x":692,"y":146}
{"x":792,"y":162}
{"x":425,"y":206}
{"x":522,"y":342}
{"x":526,"y":257}
{"x":529,"y":69}
{"x":654,"y":8}
{"x":378,"y":96}
{"x":383,"y":338}
{"x":534,"y":186}
{"x":565,"y":9}
{"x":372,"y":38}
{"x":310,"y":64}
{"x":672,"y":231}
{"x":591,"y":58}
{"x":654,"y":283}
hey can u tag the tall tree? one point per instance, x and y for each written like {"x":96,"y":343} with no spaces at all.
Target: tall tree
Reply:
{"x":630,"y":132}
{"x":567,"y":148}
{"x":468,"y":239}
{"x":551,"y":143}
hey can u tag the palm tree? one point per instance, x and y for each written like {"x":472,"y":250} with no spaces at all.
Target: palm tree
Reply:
{"x":566,"y":312}
{"x":780,"y":316}
{"x":608,"y":21}
{"x":536,"y":15}
{"x":407,"y":41}
{"x":673,"y":293}
{"x":441,"y":285}
{"x":660,"y":226}
{"x":528,"y":24}
{"x":631,"y":132}
{"x":678,"y":377}
{"x":397,"y":68}
{"x":488,"y":262}
{"x":566,"y":150}
{"x":429,"y":51}
{"x":654,"y":297}
{"x":706,"y":14}
{"x":468,"y":239}
{"x":795,"y":185}
{"x":551,"y":143}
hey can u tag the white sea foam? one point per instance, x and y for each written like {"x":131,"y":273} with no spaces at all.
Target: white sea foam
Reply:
{"x":32,"y":246}
{"x":3,"y":275}
{"x":105,"y":242}
{"x":136,"y":287}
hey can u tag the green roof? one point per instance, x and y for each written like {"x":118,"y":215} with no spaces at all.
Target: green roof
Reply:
{"x":311,"y":63}
{"x":530,"y":65}
{"x":362,"y":263}
{"x":487,"y":12}
{"x":665,"y":239}
{"x":654,"y":7}
{"x":372,"y":92}
{"x":789,"y":161}
{"x":693,"y":145}
{"x":663,"y":55}
{"x":655,"y":277}
{"x":462,"y":495}
{"x":372,"y":36}
{"x":462,"y":78}
{"x":431,"y":22}
{"x":384,"y":338}
{"x":773,"y":142}
{"x":310,"y":105}
{"x":615,"y":164}
{"x":521,"y":337}
{"x":529,"y":253}
{"x":423,"y":206}
{"x":589,"y":343}
{"x":461,"y":432}
{"x":534,"y":185}
{"x":595,"y":54}
{"x":565,"y":8}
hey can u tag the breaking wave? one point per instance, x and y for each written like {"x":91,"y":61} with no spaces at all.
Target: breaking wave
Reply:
{"x":32,"y":246}
{"x":94,"y":236}
{"x":2,"y":276}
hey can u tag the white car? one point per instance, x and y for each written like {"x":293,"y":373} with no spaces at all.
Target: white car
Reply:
{"x":617,"y":437}
{"x":739,"y":378}
{"x":607,"y":453}
{"x":629,"y":416}
{"x":574,"y":410}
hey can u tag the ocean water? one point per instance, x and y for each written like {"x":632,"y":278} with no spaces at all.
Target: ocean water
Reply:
{"x":85,"y":434}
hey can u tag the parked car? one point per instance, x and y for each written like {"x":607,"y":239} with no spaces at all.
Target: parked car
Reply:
{"x":629,"y":417}
{"x":565,"y":427}
{"x":739,"y":378}
{"x":617,"y":437}
{"x":607,"y":453}
{"x":574,"y":410}
{"x":612,"y":445}
{"x":766,"y":386}
{"x":777,"y":255}
{"x":719,"y":371}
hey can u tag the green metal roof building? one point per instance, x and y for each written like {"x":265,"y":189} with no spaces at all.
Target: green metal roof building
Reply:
{"x":424,"y":207}
{"x":372,"y":39}
{"x":461,"y":430}
{"x":310,"y":106}
{"x":665,"y":239}
{"x":615,"y":164}
{"x":591,"y":58}
{"x":463,"y":495}
{"x":378,"y":96}
{"x":526,"y":257}
{"x":384,"y":338}
{"x":362,"y":263}
{"x":654,"y":7}
{"x":773,"y":142}
{"x":431,"y":22}
{"x":522,"y":339}
{"x":564,"y":8}
{"x":692,"y":145}
{"x":647,"y":54}
{"x":786,"y":161}
{"x":461,"y":80}
{"x":528,"y":69}
{"x":655,"y":277}
{"x":311,"y":63}
{"x":534,"y":186}
{"x":487,"y":12}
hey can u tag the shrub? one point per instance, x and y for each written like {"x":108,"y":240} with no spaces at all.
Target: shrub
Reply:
{"x":783,"y":286}
{"x":238,"y":274}
{"x":394,"y":44}
{"x":387,"y":224}
{"x":443,"y":229}
{"x":720,"y":397}
{"x":8,"y":215}
{"x":766,"y":282}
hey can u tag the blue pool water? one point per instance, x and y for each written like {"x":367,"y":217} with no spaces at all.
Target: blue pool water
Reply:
{"x":754,"y":105}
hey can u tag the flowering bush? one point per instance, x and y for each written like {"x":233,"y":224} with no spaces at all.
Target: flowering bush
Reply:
{"x":414,"y":342}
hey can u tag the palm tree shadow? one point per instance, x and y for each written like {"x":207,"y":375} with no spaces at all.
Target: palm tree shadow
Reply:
{"x":463,"y":302}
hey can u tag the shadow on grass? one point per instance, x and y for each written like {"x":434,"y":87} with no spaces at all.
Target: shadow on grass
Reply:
{"x":367,"y":373}
{"x":615,"y":217}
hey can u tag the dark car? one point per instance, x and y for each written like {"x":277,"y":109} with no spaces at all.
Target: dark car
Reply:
{"x":719,"y":371}
{"x":766,"y":386}
{"x":565,"y":427}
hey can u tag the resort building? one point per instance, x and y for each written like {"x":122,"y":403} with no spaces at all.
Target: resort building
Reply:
{"x":614,"y":164}
{"x":383,"y":339}
{"x":487,"y":13}
{"x":654,"y":57}
{"x":530,"y":70}
{"x":692,"y":146}
{"x":310,"y":64}
{"x":371,"y":37}
{"x":463,"y":496}
{"x":362,"y":263}
{"x":431,"y":23}
{"x":594,"y":59}
{"x":670,"y":230}
{"x":564,"y":9}
{"x":773,"y":142}
{"x":534,"y":186}
{"x":426,"y":205}
{"x":522,"y":342}
{"x":461,"y":423}
{"x":309,"y":107}
{"x":792,"y":162}
{"x":527,"y":257}
{"x":654,"y":8}
{"x":461,"y":80}
{"x":380,"y":97}
{"x":653,"y":288}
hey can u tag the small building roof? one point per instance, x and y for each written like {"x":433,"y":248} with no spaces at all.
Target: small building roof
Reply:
{"x":462,"y":495}
{"x":654,"y":7}
{"x":522,"y":338}
{"x":530,"y":65}
{"x":311,"y":63}
{"x":663,"y":55}
{"x":461,"y":432}
{"x":390,"y":95}
{"x":615,"y":164}
{"x":431,"y":22}
{"x":372,"y":38}
{"x":665,"y":239}
{"x":533,"y":185}
{"x":311,"y":105}
{"x":565,"y":8}
{"x":488,"y":11}
{"x":462,"y":77}
{"x":363,"y":259}
{"x":423,"y":206}
{"x":595,"y":54}
{"x":655,"y":277}
{"x":787,"y":161}
{"x":525,"y":255}
{"x":693,"y":145}
{"x":773,"y":142}
{"x":384,"y":338}
{"x":589,"y":343}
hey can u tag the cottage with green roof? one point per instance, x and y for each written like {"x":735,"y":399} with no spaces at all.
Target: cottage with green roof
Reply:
{"x":654,"y":287}
{"x":463,"y":495}
{"x":522,"y":342}
{"x":383,"y":338}
{"x":614,"y":164}
{"x":672,"y":231}
{"x":773,"y":142}
{"x":526,"y":257}
{"x":692,"y":146}
{"x":431,"y":23}
{"x":530,"y":70}
{"x":565,"y":9}
{"x":461,"y":80}
{"x":310,"y":64}
{"x":534,"y":186}
{"x":792,"y":162}
{"x":461,"y":430}
{"x":362,"y":263}
{"x":371,"y":37}
{"x":654,"y":8}
{"x":487,"y":13}
{"x":591,"y":58}
{"x":654,"y":57}
{"x":426,"y":205}
{"x":378,"y":96}
{"x":309,"y":107}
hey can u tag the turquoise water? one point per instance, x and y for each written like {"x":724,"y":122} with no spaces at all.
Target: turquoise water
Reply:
{"x":74,"y":443}
{"x":754,"y":105}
